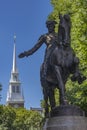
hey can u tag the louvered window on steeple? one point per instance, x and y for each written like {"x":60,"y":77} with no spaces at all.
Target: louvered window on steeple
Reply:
{"x":15,"y":89}
{"x":15,"y":78}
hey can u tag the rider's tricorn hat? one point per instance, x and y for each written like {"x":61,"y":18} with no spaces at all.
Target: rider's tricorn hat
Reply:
{"x":52,"y":22}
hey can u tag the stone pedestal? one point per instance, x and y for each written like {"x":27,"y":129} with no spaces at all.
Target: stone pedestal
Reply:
{"x":66,"y":118}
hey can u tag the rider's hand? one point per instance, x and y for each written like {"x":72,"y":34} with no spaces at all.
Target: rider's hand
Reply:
{"x":21,"y":55}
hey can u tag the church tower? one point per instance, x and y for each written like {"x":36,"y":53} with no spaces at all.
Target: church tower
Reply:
{"x":15,"y":96}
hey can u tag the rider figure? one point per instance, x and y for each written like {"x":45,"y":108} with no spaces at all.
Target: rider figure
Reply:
{"x":49,"y":39}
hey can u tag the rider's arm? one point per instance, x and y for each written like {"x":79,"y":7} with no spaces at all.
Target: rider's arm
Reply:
{"x":36,"y":46}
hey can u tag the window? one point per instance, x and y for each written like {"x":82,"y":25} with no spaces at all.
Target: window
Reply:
{"x":15,"y":78}
{"x":15,"y":89}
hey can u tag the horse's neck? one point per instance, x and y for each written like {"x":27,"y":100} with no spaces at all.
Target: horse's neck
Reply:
{"x":64,"y":32}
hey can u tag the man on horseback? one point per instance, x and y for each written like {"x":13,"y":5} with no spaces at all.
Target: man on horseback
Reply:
{"x":59,"y":61}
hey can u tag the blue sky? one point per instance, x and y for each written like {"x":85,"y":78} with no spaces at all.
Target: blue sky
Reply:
{"x":25,"y":18}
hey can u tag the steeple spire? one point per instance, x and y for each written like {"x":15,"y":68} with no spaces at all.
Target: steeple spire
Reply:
{"x":15,"y":96}
{"x":14,"y":67}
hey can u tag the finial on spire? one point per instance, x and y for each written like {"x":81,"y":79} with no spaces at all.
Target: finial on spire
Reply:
{"x":14,"y":38}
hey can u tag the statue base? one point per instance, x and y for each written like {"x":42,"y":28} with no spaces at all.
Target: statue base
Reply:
{"x":66,"y":118}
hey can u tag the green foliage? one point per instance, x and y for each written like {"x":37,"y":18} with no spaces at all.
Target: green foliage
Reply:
{"x":42,"y":103}
{"x":77,"y":9}
{"x":57,"y":96}
{"x":77,"y":94}
{"x":26,"y":119}
{"x":7,"y":116}
{"x":19,"y":119}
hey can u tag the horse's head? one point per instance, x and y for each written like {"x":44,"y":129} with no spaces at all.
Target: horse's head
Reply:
{"x":64,"y":30}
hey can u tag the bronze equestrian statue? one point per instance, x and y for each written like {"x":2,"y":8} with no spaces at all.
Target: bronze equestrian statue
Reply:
{"x":59,"y":61}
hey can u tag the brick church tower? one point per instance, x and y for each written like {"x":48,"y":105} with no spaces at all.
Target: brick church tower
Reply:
{"x":15,"y":96}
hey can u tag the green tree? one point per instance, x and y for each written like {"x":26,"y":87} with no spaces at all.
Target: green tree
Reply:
{"x":7,"y":117}
{"x":27,"y":120}
{"x":19,"y":119}
{"x":35,"y":120}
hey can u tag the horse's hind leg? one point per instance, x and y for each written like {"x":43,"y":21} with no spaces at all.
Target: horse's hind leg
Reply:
{"x":61,"y":85}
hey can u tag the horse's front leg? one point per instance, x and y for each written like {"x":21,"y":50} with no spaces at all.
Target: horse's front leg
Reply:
{"x":45,"y":96}
{"x":52,"y":97}
{"x":61,"y":85}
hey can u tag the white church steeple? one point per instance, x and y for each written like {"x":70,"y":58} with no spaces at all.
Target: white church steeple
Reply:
{"x":15,"y":96}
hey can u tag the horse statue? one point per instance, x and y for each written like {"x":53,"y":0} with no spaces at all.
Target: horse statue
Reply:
{"x":56,"y":69}
{"x":59,"y":62}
